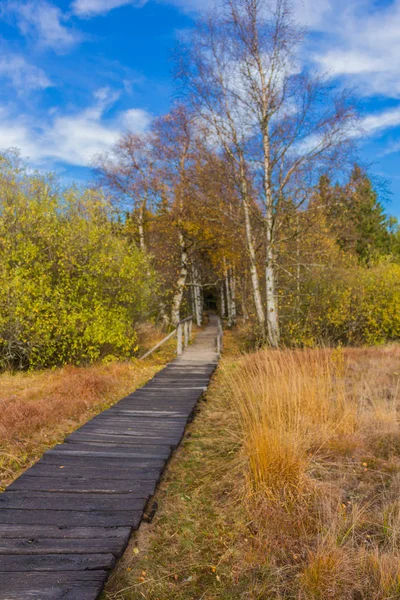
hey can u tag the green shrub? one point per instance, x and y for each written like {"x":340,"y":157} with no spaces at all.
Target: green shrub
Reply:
{"x":71,"y":290}
{"x":353,"y":305}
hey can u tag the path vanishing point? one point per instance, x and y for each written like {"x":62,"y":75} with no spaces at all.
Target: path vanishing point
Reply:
{"x":68,"y":518}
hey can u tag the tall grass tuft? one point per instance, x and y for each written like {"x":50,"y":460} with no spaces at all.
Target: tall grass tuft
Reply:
{"x":290,"y":404}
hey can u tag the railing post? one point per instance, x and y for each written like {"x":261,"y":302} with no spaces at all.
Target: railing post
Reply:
{"x":183,"y":334}
{"x":179,"y":339}
{"x":186,"y":333}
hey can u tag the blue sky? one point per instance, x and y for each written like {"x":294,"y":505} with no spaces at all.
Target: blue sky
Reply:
{"x":74,"y":74}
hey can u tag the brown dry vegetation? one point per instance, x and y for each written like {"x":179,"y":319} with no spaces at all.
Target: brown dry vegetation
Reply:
{"x":288,"y":486}
{"x":38,"y":409}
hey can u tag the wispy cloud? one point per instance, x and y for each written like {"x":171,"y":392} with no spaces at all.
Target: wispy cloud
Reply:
{"x":360,"y":43}
{"x":43,"y":22}
{"x":23,"y":75}
{"x":72,"y":138}
{"x":311,"y":12}
{"x":92,"y":8}
{"x":379,"y":122}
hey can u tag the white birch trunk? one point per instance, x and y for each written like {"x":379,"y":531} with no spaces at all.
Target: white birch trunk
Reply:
{"x":222,"y":295}
{"x":180,"y":286}
{"x":198,"y":305}
{"x":199,"y":308}
{"x":253,"y":261}
{"x":271,"y":301}
{"x":233,"y":296}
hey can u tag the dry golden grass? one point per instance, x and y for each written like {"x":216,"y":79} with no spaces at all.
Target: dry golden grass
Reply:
{"x":287,"y":488}
{"x":289,"y":404}
{"x":320,"y":437}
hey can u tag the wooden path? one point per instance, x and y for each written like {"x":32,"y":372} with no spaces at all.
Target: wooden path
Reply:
{"x":66,"y":520}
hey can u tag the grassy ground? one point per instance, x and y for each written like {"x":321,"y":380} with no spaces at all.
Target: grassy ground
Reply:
{"x":38,"y":409}
{"x":287,"y":486}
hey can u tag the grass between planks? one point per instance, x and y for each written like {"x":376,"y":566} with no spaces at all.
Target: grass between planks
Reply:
{"x":38,"y":409}
{"x":287,"y":486}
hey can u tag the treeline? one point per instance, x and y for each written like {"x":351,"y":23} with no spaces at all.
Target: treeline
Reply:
{"x":231,"y":200}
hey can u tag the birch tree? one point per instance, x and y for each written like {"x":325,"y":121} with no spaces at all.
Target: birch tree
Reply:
{"x":174,"y":147}
{"x":279,"y":125}
{"x":128,"y":171}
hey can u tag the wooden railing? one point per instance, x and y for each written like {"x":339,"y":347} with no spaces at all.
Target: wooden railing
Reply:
{"x":183,"y":334}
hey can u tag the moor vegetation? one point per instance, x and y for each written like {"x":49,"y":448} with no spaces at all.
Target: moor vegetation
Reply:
{"x":286,"y":488}
{"x":248,"y":199}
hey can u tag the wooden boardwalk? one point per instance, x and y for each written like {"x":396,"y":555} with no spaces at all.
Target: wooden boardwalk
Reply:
{"x":67,"y":519}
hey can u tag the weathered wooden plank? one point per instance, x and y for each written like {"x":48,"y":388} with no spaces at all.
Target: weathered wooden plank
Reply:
{"x":153,"y":413}
{"x":126,"y":429}
{"x":180,"y":383}
{"x":46,"y":546}
{"x":148,"y":422}
{"x":72,"y":450}
{"x":20,"y":579}
{"x":54,"y":562}
{"x":128,"y":440}
{"x":41,"y":591}
{"x":47,"y":469}
{"x":65,"y":518}
{"x":108,"y":462}
{"x":79,"y":585}
{"x":120,"y":436}
{"x":161,"y":386}
{"x":137,"y":437}
{"x":142,"y":489}
{"x":32,"y":500}
{"x":177,"y":396}
{"x":134,"y":419}
{"x":159,"y":404}
{"x":54,"y":531}
{"x":172,"y":397}
{"x":100,"y":451}
{"x":69,"y":585}
{"x":185,"y":377}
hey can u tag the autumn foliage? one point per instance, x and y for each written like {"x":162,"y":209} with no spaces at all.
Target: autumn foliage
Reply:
{"x":71,"y":289}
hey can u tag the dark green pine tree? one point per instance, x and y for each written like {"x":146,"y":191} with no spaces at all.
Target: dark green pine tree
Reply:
{"x":355,"y":216}
{"x":372,"y":238}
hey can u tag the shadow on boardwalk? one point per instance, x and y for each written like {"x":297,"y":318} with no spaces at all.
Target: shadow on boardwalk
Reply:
{"x":66,"y":520}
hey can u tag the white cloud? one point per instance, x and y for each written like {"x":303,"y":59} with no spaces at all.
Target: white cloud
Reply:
{"x":91,"y":8}
{"x":311,"y":12}
{"x":72,"y":138}
{"x":22,"y":74}
{"x":44,"y":22}
{"x":378,"y":122}
{"x":360,"y":42}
